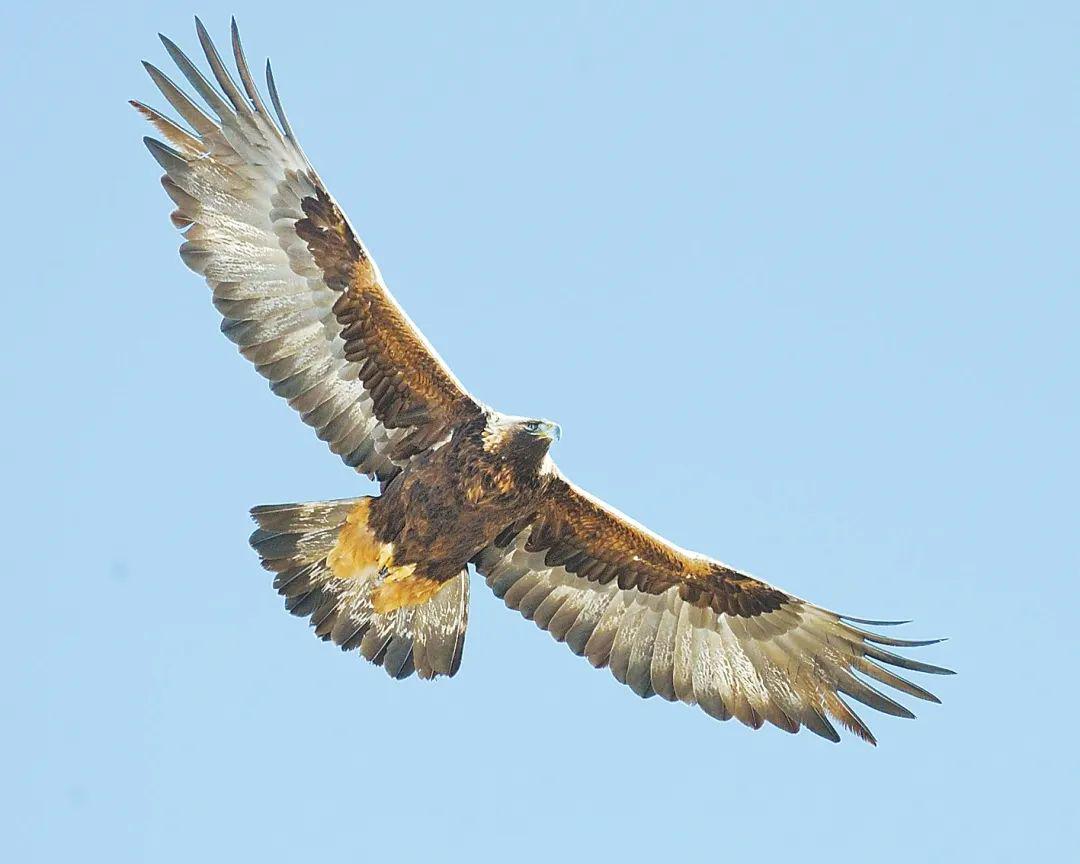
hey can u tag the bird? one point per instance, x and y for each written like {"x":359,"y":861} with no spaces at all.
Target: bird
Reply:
{"x":461,"y":485}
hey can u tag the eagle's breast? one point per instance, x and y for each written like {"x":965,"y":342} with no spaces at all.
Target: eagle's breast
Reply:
{"x":449,"y":504}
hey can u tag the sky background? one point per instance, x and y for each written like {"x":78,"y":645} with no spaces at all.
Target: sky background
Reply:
{"x":800,"y":284}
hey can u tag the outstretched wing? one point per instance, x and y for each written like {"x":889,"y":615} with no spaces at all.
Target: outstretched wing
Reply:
{"x":688,"y":628}
{"x":299,"y":293}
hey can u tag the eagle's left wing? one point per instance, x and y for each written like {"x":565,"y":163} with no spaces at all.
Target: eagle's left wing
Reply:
{"x":300,"y":295}
{"x":686,"y":627}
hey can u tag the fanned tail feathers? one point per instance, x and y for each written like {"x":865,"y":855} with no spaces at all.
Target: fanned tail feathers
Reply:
{"x":294,"y":542}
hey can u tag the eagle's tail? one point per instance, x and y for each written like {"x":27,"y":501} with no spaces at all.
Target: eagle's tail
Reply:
{"x":299,"y":542}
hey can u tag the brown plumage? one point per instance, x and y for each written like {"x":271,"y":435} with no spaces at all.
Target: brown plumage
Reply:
{"x":460,"y":483}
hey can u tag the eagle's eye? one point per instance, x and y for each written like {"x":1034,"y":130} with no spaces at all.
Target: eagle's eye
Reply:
{"x":532,"y":426}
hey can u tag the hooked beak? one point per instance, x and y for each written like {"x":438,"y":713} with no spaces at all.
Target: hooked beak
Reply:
{"x":549,"y":430}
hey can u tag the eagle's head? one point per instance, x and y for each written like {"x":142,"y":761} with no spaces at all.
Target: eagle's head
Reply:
{"x":521,"y":439}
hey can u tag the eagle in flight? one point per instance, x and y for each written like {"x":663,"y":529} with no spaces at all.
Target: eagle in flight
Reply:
{"x":460,"y":483}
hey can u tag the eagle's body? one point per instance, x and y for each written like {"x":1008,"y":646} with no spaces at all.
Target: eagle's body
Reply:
{"x":461,"y":485}
{"x":451,"y":502}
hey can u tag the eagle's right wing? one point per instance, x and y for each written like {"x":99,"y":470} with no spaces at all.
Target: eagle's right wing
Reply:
{"x":686,"y":627}
{"x":299,"y":293}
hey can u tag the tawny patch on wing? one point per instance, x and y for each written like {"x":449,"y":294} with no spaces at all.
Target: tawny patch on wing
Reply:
{"x":357,"y":551}
{"x":402,"y":587}
{"x":358,"y":554}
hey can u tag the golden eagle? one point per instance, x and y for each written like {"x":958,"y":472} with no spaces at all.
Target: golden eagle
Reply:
{"x":460,"y":483}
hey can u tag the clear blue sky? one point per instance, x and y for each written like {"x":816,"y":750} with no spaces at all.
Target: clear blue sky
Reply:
{"x":799,"y":283}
